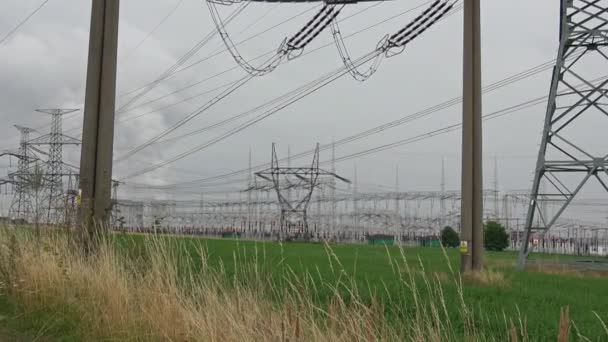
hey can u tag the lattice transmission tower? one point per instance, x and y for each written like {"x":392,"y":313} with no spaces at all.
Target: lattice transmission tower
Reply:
{"x":21,"y":206}
{"x":55,"y":198}
{"x":569,"y":158}
{"x":307,"y":179}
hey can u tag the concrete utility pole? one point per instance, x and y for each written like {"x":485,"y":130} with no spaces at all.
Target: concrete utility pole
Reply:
{"x":98,"y":127}
{"x":472,"y":174}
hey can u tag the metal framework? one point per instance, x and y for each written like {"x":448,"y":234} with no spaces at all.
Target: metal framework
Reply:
{"x":294,"y":212}
{"x":565,"y":163}
{"x":389,"y":46}
{"x":290,"y":48}
{"x":55,"y":205}
{"x":71,"y":195}
{"x":115,"y":219}
{"x":21,"y":206}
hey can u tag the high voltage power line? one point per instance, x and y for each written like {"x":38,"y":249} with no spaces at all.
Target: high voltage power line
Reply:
{"x":216,"y":53}
{"x":22,"y":22}
{"x":206,"y":39}
{"x":270,"y":52}
{"x":395,"y":16}
{"x":350,"y":16}
{"x":154,"y":29}
{"x":454,"y":101}
{"x":506,"y":81}
{"x":249,"y":38}
{"x":297,"y":42}
{"x":497,"y":85}
{"x":288,"y":49}
{"x":359,"y":152}
{"x":432,"y":133}
{"x":221,"y":50}
{"x":18,"y":26}
{"x":294,"y":96}
{"x":175,"y":68}
{"x":401,"y":38}
{"x":267,"y":54}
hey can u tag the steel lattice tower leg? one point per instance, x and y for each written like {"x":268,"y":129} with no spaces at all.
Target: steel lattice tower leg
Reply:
{"x":70,"y":201}
{"x":21,"y":206}
{"x":55,"y":169}
{"x":564,"y":163}
{"x":56,"y":195}
{"x":115,"y":210}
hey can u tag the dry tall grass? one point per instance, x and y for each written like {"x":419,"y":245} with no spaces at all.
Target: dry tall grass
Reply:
{"x":566,"y":270}
{"x":160,"y":297}
{"x":487,"y":277}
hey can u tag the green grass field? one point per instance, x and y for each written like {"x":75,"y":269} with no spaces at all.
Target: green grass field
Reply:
{"x":531,"y":296}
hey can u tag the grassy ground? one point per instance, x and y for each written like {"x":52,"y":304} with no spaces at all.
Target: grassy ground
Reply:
{"x":342,"y":286}
{"x":17,"y":326}
{"x":535,"y":297}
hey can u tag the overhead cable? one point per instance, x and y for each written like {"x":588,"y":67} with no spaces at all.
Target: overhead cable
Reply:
{"x":156,"y":27}
{"x":300,"y":43}
{"x":150,"y":86}
{"x":290,"y":48}
{"x":242,"y":115}
{"x":305,"y":91}
{"x":394,"y":44}
{"x":381,"y":128}
{"x":22,"y":22}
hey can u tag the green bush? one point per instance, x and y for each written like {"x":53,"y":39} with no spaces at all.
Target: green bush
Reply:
{"x":449,"y":237}
{"x":495,"y":236}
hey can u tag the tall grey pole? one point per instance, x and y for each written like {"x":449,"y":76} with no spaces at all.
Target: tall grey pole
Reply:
{"x":472,"y":175}
{"x":98,"y":126}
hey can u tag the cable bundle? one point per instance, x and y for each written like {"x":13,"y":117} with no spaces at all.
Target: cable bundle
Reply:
{"x":312,"y":29}
{"x":268,"y":67}
{"x":347,"y":60}
{"x":423,"y":22}
{"x":290,"y":48}
{"x":395,"y":44}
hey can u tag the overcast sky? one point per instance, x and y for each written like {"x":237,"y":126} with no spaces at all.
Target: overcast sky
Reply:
{"x":44,"y":66}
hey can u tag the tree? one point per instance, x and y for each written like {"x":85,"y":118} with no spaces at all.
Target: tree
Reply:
{"x":495,"y":236}
{"x":449,"y":237}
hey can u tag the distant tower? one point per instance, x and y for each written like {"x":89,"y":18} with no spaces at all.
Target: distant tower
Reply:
{"x":289,"y":193}
{"x":249,"y":204}
{"x":397,"y":218}
{"x":496,"y":192}
{"x":565,"y":162}
{"x":115,"y":209}
{"x":334,"y":204}
{"x":70,"y":200}
{"x":55,"y":140}
{"x":356,"y":201}
{"x":294,"y":214}
{"x":442,"y":207}
{"x":21,"y":206}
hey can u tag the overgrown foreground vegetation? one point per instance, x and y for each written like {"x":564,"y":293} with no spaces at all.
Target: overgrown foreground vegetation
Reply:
{"x":142,"y":288}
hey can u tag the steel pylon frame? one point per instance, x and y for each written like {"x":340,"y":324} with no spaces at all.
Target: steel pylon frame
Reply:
{"x":56,"y":196}
{"x":21,"y":206}
{"x":583,"y":34}
{"x":283,"y":179}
